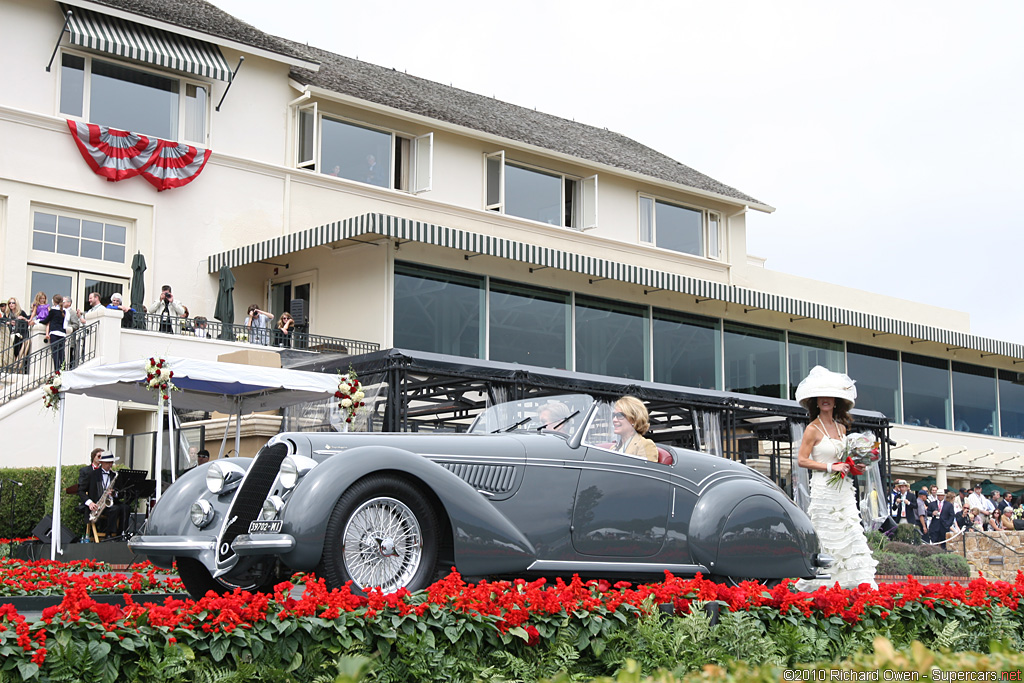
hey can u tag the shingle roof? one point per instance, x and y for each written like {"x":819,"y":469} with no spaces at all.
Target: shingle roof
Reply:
{"x":401,"y":91}
{"x":199,"y":15}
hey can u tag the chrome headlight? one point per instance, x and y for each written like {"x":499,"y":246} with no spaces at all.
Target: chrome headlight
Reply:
{"x":271,"y":508}
{"x":201,"y":513}
{"x":221,"y":477}
{"x":293,"y":468}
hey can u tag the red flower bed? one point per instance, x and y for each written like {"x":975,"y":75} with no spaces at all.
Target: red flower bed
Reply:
{"x":46,"y":577}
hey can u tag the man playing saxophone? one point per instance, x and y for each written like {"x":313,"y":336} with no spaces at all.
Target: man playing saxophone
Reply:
{"x":101,"y":491}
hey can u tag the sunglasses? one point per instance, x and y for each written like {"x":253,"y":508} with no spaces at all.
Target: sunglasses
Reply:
{"x":619,"y":416}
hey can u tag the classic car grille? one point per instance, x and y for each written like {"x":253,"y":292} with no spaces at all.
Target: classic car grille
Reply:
{"x":490,"y":478}
{"x":250,"y":495}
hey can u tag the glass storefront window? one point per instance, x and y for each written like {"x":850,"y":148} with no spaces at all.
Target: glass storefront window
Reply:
{"x":974,"y":399}
{"x":611,"y":338}
{"x":926,"y":399}
{"x":529,"y":325}
{"x":687,"y":350}
{"x":877,"y":373}
{"x":438,"y":311}
{"x":1011,"y":404}
{"x":755,"y":360}
{"x":805,"y":352}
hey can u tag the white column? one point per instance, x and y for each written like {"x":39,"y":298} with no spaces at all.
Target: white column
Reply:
{"x":940,"y":477}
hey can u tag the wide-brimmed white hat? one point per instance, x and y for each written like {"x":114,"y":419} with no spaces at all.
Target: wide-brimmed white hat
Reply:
{"x":823,"y":382}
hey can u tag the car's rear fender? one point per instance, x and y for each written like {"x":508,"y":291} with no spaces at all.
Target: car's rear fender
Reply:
{"x":486,"y":542}
{"x":748,"y":529}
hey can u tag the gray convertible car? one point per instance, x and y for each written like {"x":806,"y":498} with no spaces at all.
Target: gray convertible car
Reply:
{"x":534,"y":489}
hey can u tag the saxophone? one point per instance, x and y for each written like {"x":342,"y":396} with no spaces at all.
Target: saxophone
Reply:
{"x":105,"y":501}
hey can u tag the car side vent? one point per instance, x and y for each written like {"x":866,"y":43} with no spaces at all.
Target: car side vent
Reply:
{"x":490,"y":478}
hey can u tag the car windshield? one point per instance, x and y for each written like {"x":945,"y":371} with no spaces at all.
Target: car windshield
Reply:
{"x":563,"y":414}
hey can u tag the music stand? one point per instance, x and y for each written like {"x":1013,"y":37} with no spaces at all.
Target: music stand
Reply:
{"x":132,"y":486}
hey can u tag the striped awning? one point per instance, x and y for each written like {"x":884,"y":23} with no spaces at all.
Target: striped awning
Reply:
{"x":146,"y":44}
{"x":383,"y":225}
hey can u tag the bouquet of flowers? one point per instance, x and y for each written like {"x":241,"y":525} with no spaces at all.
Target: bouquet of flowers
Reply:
{"x":158,"y":378}
{"x":351,"y":394}
{"x":859,"y":451}
{"x":51,"y":393}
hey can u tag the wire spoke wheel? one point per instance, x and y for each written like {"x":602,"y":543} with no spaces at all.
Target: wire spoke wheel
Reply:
{"x":382,"y":544}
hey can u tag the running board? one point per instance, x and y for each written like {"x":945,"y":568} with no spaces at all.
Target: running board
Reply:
{"x":618,"y":567}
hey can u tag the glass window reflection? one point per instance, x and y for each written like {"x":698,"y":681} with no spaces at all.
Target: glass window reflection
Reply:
{"x":438,"y":311}
{"x":974,"y":399}
{"x":805,"y":352}
{"x":687,"y":350}
{"x":877,"y":372}
{"x":754,"y":360}
{"x":138,"y":101}
{"x":355,"y":152}
{"x":529,"y":325}
{"x":611,"y":338}
{"x":533,"y":194}
{"x":926,"y":399}
{"x":1011,"y":404}
{"x":679,"y":228}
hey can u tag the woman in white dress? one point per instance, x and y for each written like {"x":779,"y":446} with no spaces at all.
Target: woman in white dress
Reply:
{"x":828,"y":397}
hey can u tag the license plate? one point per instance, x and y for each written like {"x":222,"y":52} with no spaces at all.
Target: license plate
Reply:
{"x":265,"y":527}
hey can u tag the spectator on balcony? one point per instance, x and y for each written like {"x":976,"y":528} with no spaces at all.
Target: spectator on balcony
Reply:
{"x":95,"y":303}
{"x":127,"y":312}
{"x":73,"y":321}
{"x":200,"y":327}
{"x":186,"y":326}
{"x":55,"y":334}
{"x":169,"y":310}
{"x":39,"y":309}
{"x":17,"y":322}
{"x":283,"y":333}
{"x":258,"y":323}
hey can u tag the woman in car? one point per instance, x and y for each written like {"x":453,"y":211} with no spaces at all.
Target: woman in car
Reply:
{"x":630,"y":422}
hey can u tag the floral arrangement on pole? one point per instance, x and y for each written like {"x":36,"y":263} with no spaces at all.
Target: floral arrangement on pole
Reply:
{"x":51,"y":394}
{"x":351,"y":394}
{"x":158,"y":378}
{"x":859,"y":451}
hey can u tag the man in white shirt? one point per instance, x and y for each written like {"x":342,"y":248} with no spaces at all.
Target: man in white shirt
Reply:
{"x":979,"y":501}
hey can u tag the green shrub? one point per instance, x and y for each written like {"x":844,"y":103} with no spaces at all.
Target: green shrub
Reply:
{"x":894,"y":564}
{"x":907,"y":533}
{"x":951,"y":564}
{"x":877,"y":540}
{"x":34,"y":500}
{"x":901,"y":548}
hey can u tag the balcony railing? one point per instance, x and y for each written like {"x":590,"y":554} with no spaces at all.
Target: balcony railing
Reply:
{"x":21,"y":375}
{"x":300,"y":339}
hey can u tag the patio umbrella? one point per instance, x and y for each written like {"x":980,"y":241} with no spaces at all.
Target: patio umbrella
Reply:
{"x":225,"y":311}
{"x":138,"y":289}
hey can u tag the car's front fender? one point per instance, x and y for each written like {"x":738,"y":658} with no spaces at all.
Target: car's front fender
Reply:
{"x":486,"y":542}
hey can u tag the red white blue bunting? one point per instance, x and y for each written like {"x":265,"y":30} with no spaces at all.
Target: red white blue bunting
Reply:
{"x":119,"y":154}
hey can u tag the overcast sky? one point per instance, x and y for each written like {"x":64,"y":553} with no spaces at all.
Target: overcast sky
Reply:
{"x":887,"y":134}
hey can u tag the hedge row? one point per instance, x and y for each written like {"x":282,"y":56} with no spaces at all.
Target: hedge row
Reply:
{"x":34,"y":499}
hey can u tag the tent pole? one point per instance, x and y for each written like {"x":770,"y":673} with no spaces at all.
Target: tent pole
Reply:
{"x":159,"y":447}
{"x":238,"y":427}
{"x":224,"y":441}
{"x":55,"y":529}
{"x":171,"y":440}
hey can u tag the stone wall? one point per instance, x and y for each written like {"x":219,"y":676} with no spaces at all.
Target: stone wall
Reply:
{"x":996,"y":554}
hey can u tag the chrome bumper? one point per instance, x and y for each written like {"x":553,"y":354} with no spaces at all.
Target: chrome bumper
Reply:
{"x":263,"y":544}
{"x":171,"y":545}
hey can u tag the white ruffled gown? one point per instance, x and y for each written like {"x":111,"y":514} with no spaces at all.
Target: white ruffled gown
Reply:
{"x":833,"y":512}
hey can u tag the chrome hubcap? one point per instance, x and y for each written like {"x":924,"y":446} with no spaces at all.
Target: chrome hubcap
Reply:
{"x":382,"y":545}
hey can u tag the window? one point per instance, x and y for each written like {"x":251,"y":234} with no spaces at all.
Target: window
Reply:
{"x":926,"y":399}
{"x":70,"y":235}
{"x":133,"y":99}
{"x":354,"y":151}
{"x":687,"y":350}
{"x":680,"y":228}
{"x":974,"y":399}
{"x":755,"y":361}
{"x":877,"y":372}
{"x":540,"y":195}
{"x":612,"y":338}
{"x":529,"y":325}
{"x":1011,"y":404}
{"x":438,"y":311}
{"x":806,"y":352}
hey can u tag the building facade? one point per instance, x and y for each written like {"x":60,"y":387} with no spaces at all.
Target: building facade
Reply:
{"x":416,"y":215}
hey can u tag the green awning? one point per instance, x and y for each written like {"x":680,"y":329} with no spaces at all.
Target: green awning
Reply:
{"x":146,"y":44}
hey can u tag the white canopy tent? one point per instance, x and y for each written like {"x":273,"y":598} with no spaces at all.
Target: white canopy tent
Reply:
{"x":204,"y":385}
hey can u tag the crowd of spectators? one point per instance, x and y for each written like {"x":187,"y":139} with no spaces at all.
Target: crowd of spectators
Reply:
{"x":937,"y":512}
